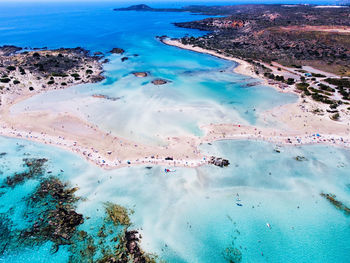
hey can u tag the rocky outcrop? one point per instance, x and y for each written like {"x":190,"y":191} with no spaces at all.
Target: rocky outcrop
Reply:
{"x":117,"y":50}
{"x":141,"y":7}
{"x":9,"y":50}
{"x":159,"y":81}
{"x":31,"y":72}
{"x":34,"y":170}
{"x":218,"y":161}
{"x":140,"y":74}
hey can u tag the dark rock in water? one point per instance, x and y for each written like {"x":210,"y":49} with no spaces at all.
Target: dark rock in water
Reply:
{"x":252,"y":84}
{"x":159,"y":81}
{"x":35,"y":169}
{"x":132,"y":245}
{"x":124,"y":59}
{"x":232,"y":254}
{"x":117,"y":51}
{"x":98,"y":53}
{"x":2,"y":154}
{"x":51,"y":216}
{"x":149,"y":167}
{"x":5,"y":232}
{"x":218,"y":161}
{"x":300,"y":158}
{"x":336,"y":203}
{"x":52,"y":206}
{"x":97,"y":78}
{"x":141,"y":74}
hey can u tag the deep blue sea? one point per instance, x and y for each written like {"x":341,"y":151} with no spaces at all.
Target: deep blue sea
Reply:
{"x":192,"y":215}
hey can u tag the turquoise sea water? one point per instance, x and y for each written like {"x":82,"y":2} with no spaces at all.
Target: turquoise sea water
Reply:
{"x":203,"y":89}
{"x":190,"y":215}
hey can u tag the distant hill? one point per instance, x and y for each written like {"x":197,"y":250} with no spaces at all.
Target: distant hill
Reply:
{"x":143,"y":7}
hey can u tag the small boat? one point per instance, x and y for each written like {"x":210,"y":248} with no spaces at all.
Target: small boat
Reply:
{"x":238,"y":204}
{"x":169,"y":171}
{"x":268,"y":225}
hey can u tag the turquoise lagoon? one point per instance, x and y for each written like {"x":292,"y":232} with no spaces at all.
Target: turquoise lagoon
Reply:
{"x":203,"y":89}
{"x":190,"y":215}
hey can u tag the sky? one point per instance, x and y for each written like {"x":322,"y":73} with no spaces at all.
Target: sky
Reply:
{"x":120,"y":3}
{"x":178,"y":1}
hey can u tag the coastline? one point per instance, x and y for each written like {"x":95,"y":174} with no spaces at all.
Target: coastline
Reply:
{"x":109,"y":151}
{"x":243,"y":67}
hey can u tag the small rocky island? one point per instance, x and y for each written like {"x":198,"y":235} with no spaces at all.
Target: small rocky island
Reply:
{"x":117,"y":50}
{"x":160,"y":81}
{"x":217,"y":161}
{"x":26,"y":72}
{"x":140,"y":74}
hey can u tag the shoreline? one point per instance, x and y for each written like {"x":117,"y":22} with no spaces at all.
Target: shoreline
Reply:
{"x":109,"y":151}
{"x":243,"y":67}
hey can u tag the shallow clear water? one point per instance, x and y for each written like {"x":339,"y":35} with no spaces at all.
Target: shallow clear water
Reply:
{"x":203,"y":89}
{"x":190,"y":215}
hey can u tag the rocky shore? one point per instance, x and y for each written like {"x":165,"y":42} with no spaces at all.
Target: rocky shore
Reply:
{"x":140,"y":74}
{"x":158,"y":82}
{"x":51,"y":216}
{"x":25,"y":73}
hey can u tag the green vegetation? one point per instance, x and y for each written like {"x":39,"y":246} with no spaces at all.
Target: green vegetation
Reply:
{"x":335,"y":116}
{"x":51,"y":82}
{"x":325,"y":87}
{"x":58,"y":74}
{"x":5,"y":80}
{"x":343,"y":82}
{"x":333,"y":106}
{"x":11,"y":68}
{"x":317,"y":75}
{"x":249,"y":33}
{"x":290,"y":81}
{"x":302,"y":85}
{"x":40,"y":66}
{"x":75,"y":75}
{"x":16,"y":82}
{"x":23,"y":72}
{"x":321,"y":98}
